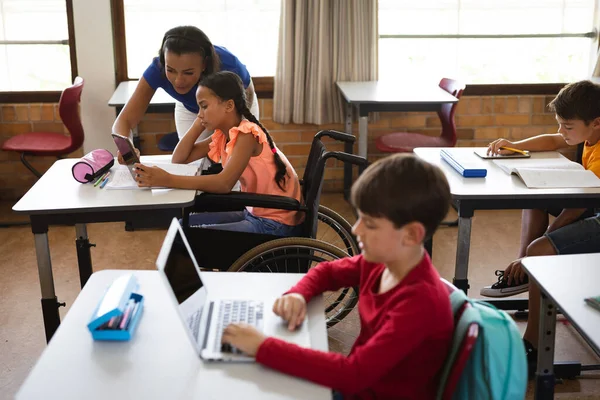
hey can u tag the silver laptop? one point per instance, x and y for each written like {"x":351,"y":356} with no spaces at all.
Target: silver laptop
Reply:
{"x":205,"y":317}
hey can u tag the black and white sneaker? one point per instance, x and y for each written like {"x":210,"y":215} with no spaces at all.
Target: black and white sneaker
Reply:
{"x":503,"y":289}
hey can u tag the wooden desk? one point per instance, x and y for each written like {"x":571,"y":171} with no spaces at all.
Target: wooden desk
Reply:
{"x":160,"y":362}
{"x":57,"y":199}
{"x":499,"y":191}
{"x":564,"y":282}
{"x":378,"y":96}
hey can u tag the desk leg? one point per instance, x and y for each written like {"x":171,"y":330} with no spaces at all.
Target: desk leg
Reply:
{"x":544,"y":376}
{"x":348,"y":148}
{"x":84,"y":257}
{"x":49,"y":301}
{"x":362,"y":135}
{"x":462,"y":253}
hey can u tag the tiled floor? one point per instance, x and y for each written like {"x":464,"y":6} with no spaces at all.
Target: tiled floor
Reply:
{"x":494,"y":242}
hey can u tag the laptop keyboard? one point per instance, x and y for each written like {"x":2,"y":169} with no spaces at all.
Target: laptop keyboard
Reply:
{"x":236,"y":311}
{"x":194,"y":323}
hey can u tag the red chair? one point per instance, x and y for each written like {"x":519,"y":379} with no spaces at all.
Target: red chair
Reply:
{"x":406,"y":142}
{"x":52,"y":143}
{"x":464,"y":351}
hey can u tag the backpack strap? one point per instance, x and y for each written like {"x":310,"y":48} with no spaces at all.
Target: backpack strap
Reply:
{"x":457,"y":299}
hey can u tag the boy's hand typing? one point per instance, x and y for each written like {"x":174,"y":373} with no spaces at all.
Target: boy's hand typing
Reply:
{"x":292,"y":308}
{"x":494,"y":148}
{"x":243,"y":337}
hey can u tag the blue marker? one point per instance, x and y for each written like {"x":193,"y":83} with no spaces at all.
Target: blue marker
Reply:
{"x":104,"y":182}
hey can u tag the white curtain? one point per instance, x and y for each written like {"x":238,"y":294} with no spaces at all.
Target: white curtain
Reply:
{"x":321,"y":42}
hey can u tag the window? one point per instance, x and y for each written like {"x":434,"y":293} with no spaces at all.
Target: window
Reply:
{"x":247,"y":28}
{"x":35,"y":54}
{"x":549,"y":41}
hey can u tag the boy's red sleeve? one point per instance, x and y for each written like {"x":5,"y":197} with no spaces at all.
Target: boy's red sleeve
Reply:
{"x":330,"y":275}
{"x":367,"y":364}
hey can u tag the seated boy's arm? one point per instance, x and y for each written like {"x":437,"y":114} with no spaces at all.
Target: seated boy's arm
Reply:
{"x":331,"y":275}
{"x":547,"y":142}
{"x":566,"y":217}
{"x":400,"y":336}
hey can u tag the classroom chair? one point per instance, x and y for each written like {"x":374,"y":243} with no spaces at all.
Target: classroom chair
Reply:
{"x":168,"y":142}
{"x":406,"y":142}
{"x":53,"y":143}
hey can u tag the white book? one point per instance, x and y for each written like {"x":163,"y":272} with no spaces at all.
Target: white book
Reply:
{"x":550,"y":173}
{"x":120,"y":178}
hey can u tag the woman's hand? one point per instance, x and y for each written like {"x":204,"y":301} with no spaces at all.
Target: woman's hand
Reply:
{"x":120,"y":156}
{"x":494,"y":148}
{"x":243,"y":337}
{"x":292,"y":308}
{"x":151,"y":176}
{"x":515,"y":273}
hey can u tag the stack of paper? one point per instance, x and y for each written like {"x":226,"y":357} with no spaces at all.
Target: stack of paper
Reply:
{"x":121,"y":178}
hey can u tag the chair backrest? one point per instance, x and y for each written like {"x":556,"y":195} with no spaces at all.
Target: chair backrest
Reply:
{"x":446,"y":113}
{"x":68,"y":108}
{"x":466,"y":347}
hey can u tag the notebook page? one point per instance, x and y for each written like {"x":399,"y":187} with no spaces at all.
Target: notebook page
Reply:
{"x":558,"y":178}
{"x":122,"y":179}
{"x":511,"y":166}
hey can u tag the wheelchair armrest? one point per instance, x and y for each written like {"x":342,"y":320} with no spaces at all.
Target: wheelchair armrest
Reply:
{"x":242,"y":199}
{"x":349,"y":158}
{"x":341,"y":136}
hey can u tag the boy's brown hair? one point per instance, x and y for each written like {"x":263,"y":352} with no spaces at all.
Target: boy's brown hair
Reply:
{"x":578,"y":100}
{"x":403,"y":189}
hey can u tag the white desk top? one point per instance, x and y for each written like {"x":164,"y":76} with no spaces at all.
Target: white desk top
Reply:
{"x":159,"y":362}
{"x":57,"y":190}
{"x":125,"y":89}
{"x":567,"y":280}
{"x":394,"y":92}
{"x":497,"y":184}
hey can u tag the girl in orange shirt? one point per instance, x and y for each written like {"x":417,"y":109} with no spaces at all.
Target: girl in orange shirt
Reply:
{"x":248,"y":154}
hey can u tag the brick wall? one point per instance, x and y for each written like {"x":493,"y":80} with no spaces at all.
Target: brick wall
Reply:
{"x":478,"y":120}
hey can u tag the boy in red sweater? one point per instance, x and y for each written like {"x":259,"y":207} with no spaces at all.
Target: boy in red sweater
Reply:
{"x":405,"y":316}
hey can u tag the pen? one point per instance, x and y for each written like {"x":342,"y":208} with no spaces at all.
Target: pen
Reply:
{"x":104,"y":182}
{"x":524,"y":152}
{"x":100,"y":179}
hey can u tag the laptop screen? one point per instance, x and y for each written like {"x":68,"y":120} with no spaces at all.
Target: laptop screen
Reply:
{"x":182,"y":274}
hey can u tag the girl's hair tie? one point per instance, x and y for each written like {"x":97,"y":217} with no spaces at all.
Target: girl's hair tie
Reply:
{"x":274,"y":150}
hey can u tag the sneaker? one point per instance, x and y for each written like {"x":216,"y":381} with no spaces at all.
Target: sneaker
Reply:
{"x":531,"y":353}
{"x":503,"y":289}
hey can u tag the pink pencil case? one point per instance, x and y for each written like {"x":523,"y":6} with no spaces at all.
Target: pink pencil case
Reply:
{"x":93,"y":165}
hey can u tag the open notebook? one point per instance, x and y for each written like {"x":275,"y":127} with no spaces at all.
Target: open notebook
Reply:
{"x":120,"y":178}
{"x":550,"y":173}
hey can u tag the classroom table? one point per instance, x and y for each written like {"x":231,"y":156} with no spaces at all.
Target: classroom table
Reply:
{"x":159,"y":362}
{"x":380,"y":96}
{"x":57,"y":199}
{"x":498,"y":191}
{"x":564,"y":282}
{"x":161,"y":102}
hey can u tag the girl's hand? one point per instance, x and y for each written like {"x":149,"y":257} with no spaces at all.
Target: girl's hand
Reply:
{"x":243,"y":337}
{"x":151,"y":176}
{"x":120,"y":156}
{"x":494,"y":147}
{"x":292,"y":308}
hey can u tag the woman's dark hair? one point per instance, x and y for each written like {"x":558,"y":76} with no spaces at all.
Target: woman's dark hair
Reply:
{"x":189,"y":39}
{"x":228,"y":86}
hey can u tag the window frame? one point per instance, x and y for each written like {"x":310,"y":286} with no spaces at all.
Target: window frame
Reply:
{"x":263,"y":85}
{"x":48,"y":96}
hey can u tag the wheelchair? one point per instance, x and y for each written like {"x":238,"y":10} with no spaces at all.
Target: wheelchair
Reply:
{"x":252,"y":252}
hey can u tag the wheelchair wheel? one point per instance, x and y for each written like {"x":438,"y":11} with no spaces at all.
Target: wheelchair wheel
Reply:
{"x":299,"y":255}
{"x":335,"y":230}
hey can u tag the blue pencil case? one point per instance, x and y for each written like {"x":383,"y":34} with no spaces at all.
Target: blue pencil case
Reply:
{"x":118,"y":314}
{"x":462,"y":166}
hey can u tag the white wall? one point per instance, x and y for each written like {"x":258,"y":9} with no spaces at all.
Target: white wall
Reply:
{"x":95,"y":64}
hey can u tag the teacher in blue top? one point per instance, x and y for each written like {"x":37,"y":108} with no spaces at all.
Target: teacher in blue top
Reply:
{"x":186,"y":55}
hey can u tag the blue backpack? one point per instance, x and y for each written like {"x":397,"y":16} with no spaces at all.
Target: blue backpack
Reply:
{"x":497,"y":366}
